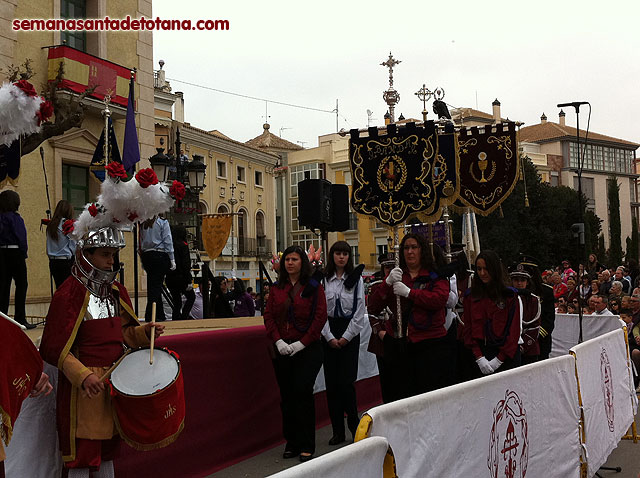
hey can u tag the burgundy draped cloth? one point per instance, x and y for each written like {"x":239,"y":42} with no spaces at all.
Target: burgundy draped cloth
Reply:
{"x":232,"y":405}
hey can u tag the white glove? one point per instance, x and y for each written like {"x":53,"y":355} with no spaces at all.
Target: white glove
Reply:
{"x":484,"y":365}
{"x":401,"y":289}
{"x":283,"y":347}
{"x":173,"y":266}
{"x":394,"y":276}
{"x":495,"y":363}
{"x":296,"y":347}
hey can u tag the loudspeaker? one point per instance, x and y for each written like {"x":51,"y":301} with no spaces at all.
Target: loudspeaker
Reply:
{"x":314,"y":203}
{"x":339,"y":207}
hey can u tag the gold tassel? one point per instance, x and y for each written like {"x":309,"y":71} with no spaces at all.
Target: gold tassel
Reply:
{"x":526,"y":199}
{"x":500,"y":212}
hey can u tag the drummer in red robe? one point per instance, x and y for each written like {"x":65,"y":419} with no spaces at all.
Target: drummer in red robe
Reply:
{"x":89,"y":321}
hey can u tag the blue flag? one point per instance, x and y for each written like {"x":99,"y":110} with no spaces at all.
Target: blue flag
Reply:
{"x":130,"y":149}
{"x":98,"y":162}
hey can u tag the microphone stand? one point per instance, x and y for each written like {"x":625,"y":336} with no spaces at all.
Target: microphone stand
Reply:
{"x":581,"y":244}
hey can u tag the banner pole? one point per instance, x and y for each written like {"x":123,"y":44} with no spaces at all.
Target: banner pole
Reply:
{"x":396,"y":247}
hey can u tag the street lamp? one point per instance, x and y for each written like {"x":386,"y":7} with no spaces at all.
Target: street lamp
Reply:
{"x":160,"y":164}
{"x":196,"y":171}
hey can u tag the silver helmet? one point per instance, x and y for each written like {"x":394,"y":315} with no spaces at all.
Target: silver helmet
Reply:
{"x":97,"y":281}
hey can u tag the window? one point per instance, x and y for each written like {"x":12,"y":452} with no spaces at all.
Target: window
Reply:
{"x":554,"y":180}
{"x":74,"y":9}
{"x":353,"y":221}
{"x":588,"y":189}
{"x":305,"y":240}
{"x":382,"y":249}
{"x":294,"y":216}
{"x":632,"y":190}
{"x":241,"y":174}
{"x":601,"y":158}
{"x":223,"y":209}
{"x":347,"y":178}
{"x":75,"y":186}
{"x":302,"y":171}
{"x":356,"y":255}
{"x":258,"y":178}
{"x":222,"y":169}
{"x":260,"y":224}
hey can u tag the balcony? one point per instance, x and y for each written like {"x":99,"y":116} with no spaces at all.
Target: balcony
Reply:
{"x":83,"y":71}
{"x":260,"y":248}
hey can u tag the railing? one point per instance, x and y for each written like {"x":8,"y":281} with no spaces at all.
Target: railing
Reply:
{"x":250,"y":247}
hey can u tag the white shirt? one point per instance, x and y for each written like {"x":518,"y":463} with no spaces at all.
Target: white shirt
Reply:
{"x":604,"y":311}
{"x":334,"y":288}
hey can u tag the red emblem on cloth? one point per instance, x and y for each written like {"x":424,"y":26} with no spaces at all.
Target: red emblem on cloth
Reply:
{"x":607,"y":387}
{"x":509,"y":445}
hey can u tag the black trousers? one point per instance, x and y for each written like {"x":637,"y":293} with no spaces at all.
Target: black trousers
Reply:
{"x":156,"y":264}
{"x":177,"y":291}
{"x":60,"y":269}
{"x":13,"y":267}
{"x":296,"y":376}
{"x":340,"y":373}
{"x":430,"y":364}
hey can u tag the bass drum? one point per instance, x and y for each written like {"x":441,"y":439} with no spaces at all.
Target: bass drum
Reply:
{"x":148,"y":400}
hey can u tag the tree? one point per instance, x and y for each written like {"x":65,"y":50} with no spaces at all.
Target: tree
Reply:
{"x":543,"y":229}
{"x":68,"y":113}
{"x":615,"y":239}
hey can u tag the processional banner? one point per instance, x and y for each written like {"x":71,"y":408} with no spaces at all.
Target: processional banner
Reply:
{"x":446,"y":173}
{"x":393,"y":174}
{"x":489,"y":166}
{"x":215,"y":232}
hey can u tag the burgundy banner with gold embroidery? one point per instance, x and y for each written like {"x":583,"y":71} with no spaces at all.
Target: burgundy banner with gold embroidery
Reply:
{"x":20,"y":370}
{"x":489,"y":165}
{"x":392,"y":175}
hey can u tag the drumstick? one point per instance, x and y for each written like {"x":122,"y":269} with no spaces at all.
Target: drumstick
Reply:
{"x":153,"y":331}
{"x":12,"y":321}
{"x":107,"y":374}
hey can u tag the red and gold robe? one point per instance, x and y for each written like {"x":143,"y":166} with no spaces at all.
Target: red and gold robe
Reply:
{"x":68,"y":341}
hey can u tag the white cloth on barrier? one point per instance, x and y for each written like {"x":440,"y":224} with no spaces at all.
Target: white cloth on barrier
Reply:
{"x":367,"y":365}
{"x":362,"y":459}
{"x":526,"y":419}
{"x":607,"y":394}
{"x":566,"y":332}
{"x":34,"y":446}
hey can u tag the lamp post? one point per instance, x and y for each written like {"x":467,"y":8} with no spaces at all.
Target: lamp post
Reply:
{"x":190,"y":173}
{"x":233,"y":201}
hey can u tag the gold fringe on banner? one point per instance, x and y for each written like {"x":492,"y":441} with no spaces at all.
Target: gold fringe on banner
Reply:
{"x":215,"y":232}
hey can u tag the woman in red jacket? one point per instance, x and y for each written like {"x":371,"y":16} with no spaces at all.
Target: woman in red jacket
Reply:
{"x":294,"y":316}
{"x":423,"y":295}
{"x":492,"y":318}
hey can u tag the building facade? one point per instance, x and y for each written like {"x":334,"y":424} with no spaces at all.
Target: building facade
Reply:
{"x":240,"y":179}
{"x":604,"y":157}
{"x":93,"y":55}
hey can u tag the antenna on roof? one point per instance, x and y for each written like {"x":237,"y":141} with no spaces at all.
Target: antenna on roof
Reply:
{"x":266,"y":112}
{"x":282,"y":129}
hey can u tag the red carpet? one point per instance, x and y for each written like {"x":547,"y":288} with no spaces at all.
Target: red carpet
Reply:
{"x":232,"y":405}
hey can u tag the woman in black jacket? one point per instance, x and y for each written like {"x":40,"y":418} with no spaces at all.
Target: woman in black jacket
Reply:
{"x":179,"y":280}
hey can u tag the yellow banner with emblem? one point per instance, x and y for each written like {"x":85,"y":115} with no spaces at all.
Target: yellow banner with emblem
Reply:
{"x":215,"y":232}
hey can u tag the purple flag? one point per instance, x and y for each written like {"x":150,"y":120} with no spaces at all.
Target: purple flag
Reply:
{"x":131,"y":149}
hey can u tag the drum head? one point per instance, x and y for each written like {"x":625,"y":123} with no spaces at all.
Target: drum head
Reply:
{"x":135,"y":376}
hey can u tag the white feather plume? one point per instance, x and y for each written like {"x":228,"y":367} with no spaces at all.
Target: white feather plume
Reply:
{"x":123,"y":203}
{"x":17,"y":113}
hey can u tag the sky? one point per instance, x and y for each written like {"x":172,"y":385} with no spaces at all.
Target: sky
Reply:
{"x":529,"y":55}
